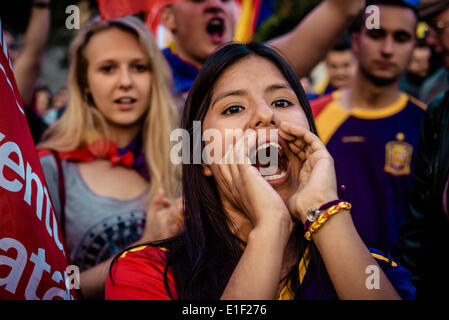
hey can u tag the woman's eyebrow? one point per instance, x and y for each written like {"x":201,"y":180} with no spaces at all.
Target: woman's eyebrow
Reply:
{"x":138,"y":59}
{"x":242,"y":92}
{"x":278,"y":86}
{"x":113,"y":60}
{"x":105,"y":61}
{"x":229,"y":93}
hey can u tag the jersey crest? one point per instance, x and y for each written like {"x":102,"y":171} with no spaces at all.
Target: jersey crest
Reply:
{"x":398,"y":155}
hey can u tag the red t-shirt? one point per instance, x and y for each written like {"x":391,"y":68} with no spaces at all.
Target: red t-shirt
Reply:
{"x":139,"y":275}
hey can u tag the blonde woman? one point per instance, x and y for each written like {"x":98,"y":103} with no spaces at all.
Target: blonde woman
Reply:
{"x":108,"y":155}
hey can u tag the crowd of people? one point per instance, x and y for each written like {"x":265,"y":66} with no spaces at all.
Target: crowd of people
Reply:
{"x":361,"y":181}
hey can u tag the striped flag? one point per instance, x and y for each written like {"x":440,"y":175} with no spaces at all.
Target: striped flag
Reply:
{"x":252,"y":14}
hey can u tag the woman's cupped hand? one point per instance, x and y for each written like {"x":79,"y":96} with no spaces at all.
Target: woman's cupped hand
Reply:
{"x":316,"y":177}
{"x":247,"y":188}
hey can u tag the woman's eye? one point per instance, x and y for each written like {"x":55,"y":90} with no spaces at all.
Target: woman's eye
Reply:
{"x":282,"y":103}
{"x":141,"y":67}
{"x":106,"y":69}
{"x":233,"y":109}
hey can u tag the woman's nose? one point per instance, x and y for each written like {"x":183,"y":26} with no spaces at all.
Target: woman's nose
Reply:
{"x":125,"y":80}
{"x":264,"y":116}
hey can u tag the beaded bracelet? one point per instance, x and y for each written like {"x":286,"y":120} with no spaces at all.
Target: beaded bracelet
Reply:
{"x":318,"y":223}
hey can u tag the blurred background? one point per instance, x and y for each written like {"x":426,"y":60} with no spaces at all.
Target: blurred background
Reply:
{"x":281,"y":17}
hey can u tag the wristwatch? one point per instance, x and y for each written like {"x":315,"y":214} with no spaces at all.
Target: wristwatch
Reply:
{"x":313,"y":214}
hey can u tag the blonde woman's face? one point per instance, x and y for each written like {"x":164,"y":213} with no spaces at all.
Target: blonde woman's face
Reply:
{"x":118,"y":77}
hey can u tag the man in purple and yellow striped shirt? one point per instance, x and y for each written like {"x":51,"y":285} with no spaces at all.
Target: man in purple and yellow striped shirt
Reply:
{"x":372,"y":128}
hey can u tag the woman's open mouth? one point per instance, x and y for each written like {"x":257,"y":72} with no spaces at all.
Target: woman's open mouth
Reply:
{"x":272,"y":162}
{"x":126,"y":103}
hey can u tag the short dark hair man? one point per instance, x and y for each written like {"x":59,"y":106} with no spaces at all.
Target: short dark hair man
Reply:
{"x":341,"y":65}
{"x":371,"y":127}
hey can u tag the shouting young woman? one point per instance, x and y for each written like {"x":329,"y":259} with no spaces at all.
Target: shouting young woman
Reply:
{"x":251,"y":234}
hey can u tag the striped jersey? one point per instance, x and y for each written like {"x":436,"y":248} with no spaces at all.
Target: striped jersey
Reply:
{"x":373,"y":151}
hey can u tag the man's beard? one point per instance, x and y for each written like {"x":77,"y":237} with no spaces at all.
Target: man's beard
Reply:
{"x":378,"y":81}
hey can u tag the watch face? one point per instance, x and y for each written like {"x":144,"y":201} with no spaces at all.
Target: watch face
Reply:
{"x":312,"y":214}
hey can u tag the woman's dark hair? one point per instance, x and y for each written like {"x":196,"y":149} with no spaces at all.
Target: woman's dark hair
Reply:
{"x":206,"y":253}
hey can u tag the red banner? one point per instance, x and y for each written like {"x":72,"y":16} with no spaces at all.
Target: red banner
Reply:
{"x":111,"y":9}
{"x":33,"y":257}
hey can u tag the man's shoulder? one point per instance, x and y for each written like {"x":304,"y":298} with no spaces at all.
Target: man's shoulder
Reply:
{"x":319,"y":104}
{"x":438,"y":111}
{"x":416,"y":103}
{"x":436,"y":83}
{"x":438,"y":102}
{"x":166,"y":52}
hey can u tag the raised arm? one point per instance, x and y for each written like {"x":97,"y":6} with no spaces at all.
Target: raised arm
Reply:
{"x":257,"y":274}
{"x":27,"y":65}
{"x":307,"y":44}
{"x":343,"y":252}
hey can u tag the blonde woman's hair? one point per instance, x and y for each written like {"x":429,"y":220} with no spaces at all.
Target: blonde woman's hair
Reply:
{"x":82,"y":123}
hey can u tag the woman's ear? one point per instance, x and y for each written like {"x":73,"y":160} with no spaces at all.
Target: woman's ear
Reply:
{"x":167,"y":18}
{"x":206,"y":170}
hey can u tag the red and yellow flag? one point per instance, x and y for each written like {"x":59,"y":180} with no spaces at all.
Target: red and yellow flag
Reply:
{"x":112,"y":9}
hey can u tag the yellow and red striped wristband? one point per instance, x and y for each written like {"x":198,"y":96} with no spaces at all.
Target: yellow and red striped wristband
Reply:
{"x":318,"y":223}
